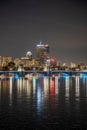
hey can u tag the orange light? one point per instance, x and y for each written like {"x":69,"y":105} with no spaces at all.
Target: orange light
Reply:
{"x":53,"y":87}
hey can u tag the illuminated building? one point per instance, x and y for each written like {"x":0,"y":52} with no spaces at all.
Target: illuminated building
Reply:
{"x":6,"y":60}
{"x":29,"y":63}
{"x":29,"y":55}
{"x":17,"y":62}
{"x":35,"y":62}
{"x":46,"y":51}
{"x":25,"y":61}
{"x":53,"y":62}
{"x":42,"y":51}
{"x":72,"y":65}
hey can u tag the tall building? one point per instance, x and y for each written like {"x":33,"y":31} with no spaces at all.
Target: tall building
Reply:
{"x":42,"y":51}
{"x":46,"y":52}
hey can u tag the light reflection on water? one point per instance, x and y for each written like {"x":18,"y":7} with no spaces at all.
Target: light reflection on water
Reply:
{"x":67,"y":87}
{"x":65,"y":98}
{"x":10,"y":90}
{"x":77,"y":86}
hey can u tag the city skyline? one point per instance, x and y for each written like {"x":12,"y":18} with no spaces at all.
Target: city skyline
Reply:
{"x":61,"y":24}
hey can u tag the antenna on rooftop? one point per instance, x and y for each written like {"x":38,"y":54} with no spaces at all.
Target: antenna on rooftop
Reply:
{"x":40,"y":42}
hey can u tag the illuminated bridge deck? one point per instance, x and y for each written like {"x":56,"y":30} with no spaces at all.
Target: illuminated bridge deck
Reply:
{"x":63,"y":72}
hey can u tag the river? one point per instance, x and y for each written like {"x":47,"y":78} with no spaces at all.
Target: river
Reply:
{"x":43,"y":103}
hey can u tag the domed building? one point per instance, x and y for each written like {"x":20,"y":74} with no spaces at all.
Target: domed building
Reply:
{"x":29,"y":54}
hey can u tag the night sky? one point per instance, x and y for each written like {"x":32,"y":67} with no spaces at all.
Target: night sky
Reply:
{"x":62,"y":24}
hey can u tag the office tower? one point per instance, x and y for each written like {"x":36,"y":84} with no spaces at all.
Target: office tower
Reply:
{"x":46,"y":52}
{"x":42,"y":51}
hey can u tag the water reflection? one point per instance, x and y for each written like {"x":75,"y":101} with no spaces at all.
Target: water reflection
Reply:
{"x":34,"y":84}
{"x":46,"y":85}
{"x":67,"y":87}
{"x":77,"y":86}
{"x":43,"y":86}
{"x":86,"y":86}
{"x":10,"y":90}
{"x":57,"y":84}
{"x":0,"y":86}
{"x":39,"y":96}
{"x":44,"y":99}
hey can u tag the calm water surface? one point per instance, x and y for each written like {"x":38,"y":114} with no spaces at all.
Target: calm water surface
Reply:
{"x":43,"y":103}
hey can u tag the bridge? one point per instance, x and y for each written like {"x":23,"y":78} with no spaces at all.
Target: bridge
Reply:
{"x":62,"y":72}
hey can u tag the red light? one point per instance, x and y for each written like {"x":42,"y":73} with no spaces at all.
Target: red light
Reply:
{"x":52,"y":60}
{"x":53,"y":87}
{"x":53,"y":76}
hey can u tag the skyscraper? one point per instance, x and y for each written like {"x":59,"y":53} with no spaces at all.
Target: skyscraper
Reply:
{"x":46,"y":52}
{"x":42,"y":51}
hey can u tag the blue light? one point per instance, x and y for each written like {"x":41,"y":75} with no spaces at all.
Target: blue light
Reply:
{"x":16,"y":77}
{"x":84,"y":76}
{"x":42,"y":75}
{"x":66,"y":76}
{"x":39,"y":97}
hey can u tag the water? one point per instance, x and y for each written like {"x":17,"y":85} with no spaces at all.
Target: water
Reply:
{"x":43,"y":103}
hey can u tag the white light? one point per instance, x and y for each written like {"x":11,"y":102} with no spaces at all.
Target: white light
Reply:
{"x":67,"y":87}
{"x":40,"y":45}
{"x":10,"y":90}
{"x":77,"y":86}
{"x":28,"y":54}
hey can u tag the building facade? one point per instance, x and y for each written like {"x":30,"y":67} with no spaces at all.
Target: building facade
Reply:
{"x":42,"y":51}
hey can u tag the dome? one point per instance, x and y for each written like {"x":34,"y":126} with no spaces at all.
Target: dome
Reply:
{"x":28,"y":54}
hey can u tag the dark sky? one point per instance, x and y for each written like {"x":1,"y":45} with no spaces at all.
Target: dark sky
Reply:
{"x":61,"y":23}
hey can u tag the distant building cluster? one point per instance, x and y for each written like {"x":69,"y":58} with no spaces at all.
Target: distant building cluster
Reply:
{"x":42,"y":61}
{"x":28,"y":62}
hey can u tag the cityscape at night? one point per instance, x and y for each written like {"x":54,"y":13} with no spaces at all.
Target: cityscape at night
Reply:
{"x":60,"y":23}
{"x":43,"y":64}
